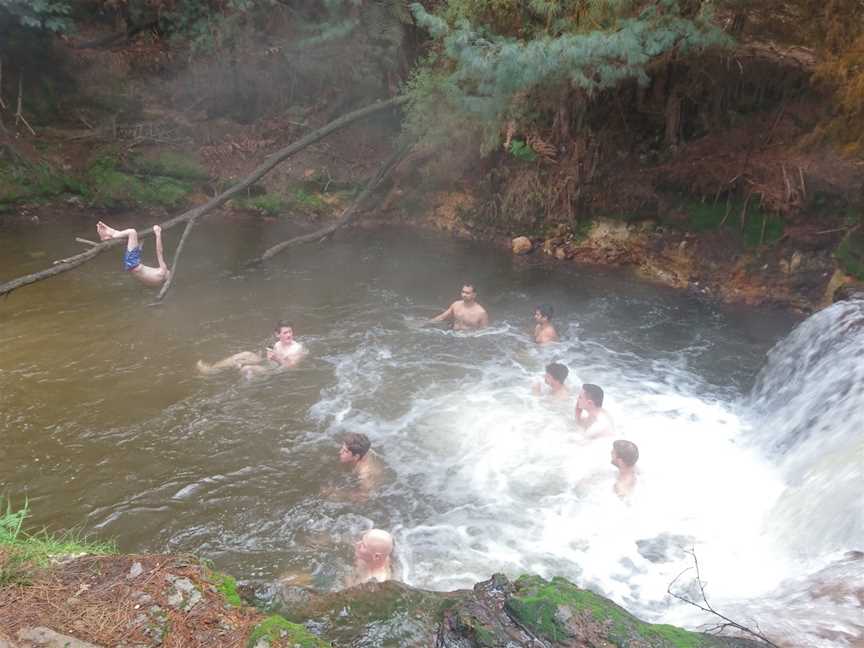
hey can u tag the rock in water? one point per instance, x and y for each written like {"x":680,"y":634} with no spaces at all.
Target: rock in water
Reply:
{"x":522,"y":245}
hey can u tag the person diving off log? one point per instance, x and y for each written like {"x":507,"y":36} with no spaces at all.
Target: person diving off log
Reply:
{"x":149,"y":276}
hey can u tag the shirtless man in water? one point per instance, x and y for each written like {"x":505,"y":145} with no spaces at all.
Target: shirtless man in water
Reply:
{"x":356,"y":452}
{"x":625,"y":454}
{"x":544,"y":331}
{"x":556,"y":375}
{"x":287,"y":352}
{"x":466,"y":313}
{"x":372,"y":558}
{"x":152,"y":277}
{"x":590,"y":415}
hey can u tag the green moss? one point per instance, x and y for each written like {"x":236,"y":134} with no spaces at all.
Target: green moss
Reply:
{"x":268,"y":203}
{"x":307,"y":200}
{"x":107,"y":186}
{"x":33,"y":183}
{"x":703,"y":217}
{"x":546,"y":607}
{"x":227,"y":586}
{"x":171,"y":165}
{"x":275,"y":630}
{"x":850,"y":254}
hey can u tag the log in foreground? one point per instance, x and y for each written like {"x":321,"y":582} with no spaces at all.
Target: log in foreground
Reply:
{"x":343,"y":220}
{"x":79,"y":259}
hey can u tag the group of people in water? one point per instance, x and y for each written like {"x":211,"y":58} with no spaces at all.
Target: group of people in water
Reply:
{"x":373,"y":550}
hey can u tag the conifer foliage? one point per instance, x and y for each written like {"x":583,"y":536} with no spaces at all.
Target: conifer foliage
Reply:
{"x":494,"y":59}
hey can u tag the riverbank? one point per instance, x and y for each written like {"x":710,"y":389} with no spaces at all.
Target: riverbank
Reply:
{"x":77,"y":594}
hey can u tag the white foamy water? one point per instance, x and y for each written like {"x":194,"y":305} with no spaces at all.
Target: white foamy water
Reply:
{"x":511,"y":486}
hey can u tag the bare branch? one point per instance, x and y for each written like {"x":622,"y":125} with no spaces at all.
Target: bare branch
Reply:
{"x":73,"y":262}
{"x":189,"y":225}
{"x":729,"y":623}
{"x":343,"y":220}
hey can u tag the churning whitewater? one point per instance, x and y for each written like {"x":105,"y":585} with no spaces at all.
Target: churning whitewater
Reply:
{"x":495,"y":479}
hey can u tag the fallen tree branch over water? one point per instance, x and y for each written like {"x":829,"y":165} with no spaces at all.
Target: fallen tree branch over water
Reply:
{"x":273,"y":160}
{"x":727,"y":622}
{"x":173,"y":270}
{"x":343,"y":220}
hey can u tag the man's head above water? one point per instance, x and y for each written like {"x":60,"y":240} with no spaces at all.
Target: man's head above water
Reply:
{"x":354,"y":447}
{"x":373,"y":549}
{"x":543,"y":312}
{"x":469,"y":293}
{"x":624,"y":453}
{"x":285,"y":332}
{"x":591,"y":397}
{"x":556,"y":374}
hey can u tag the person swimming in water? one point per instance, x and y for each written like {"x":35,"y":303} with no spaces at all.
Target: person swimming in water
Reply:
{"x":590,"y":415}
{"x":287,"y":352}
{"x":556,"y":375}
{"x":544,"y":330}
{"x":372,"y":558}
{"x":356,"y":451}
{"x":149,"y":276}
{"x":625,"y":454}
{"x":466,"y":314}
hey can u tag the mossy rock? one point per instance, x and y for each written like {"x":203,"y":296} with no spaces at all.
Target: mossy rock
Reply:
{"x":227,"y":586}
{"x":850,"y":254}
{"x":277,"y":631}
{"x":562,"y":613}
{"x":393,"y":613}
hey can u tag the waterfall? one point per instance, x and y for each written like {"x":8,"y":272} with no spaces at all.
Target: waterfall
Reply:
{"x":808,"y":416}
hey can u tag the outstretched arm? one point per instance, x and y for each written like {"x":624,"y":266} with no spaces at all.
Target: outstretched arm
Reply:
{"x":447,"y":314}
{"x":160,"y":258}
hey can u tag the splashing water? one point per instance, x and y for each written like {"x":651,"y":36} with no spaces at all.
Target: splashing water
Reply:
{"x":507,"y":485}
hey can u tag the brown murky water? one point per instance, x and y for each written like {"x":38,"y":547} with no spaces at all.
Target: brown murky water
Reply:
{"x":106,"y":425}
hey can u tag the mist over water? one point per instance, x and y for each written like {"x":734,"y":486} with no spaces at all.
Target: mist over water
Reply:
{"x":106,"y":422}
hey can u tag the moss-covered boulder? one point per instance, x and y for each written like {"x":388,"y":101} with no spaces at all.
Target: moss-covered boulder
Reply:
{"x":373,"y":614}
{"x":566,"y":615}
{"x":277,"y":631}
{"x":497,"y":613}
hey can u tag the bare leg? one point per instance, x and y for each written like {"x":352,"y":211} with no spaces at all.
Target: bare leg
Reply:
{"x":238,"y":361}
{"x":157,"y":231}
{"x":106,"y":233}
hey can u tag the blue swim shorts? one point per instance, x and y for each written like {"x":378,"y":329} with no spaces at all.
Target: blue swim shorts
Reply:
{"x":132,"y":258}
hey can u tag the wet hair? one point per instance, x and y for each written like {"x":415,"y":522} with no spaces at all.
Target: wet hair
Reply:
{"x":593,"y":392}
{"x":357,"y":444}
{"x":468,"y":284}
{"x":626,"y":451}
{"x":281,"y":324}
{"x":558,"y":371}
{"x":545,"y":310}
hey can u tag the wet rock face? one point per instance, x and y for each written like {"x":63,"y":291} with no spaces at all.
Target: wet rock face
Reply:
{"x":497,"y":613}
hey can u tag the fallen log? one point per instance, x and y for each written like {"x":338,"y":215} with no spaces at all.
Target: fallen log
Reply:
{"x":273,"y":160}
{"x":343,"y":220}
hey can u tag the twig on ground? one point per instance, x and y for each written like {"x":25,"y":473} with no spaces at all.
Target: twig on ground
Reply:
{"x":707,"y":606}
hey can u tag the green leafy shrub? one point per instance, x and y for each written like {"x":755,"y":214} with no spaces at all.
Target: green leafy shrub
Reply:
{"x":521,"y":151}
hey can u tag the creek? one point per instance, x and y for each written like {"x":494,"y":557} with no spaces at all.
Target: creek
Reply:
{"x":107,"y":427}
